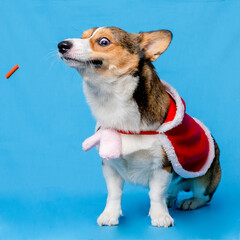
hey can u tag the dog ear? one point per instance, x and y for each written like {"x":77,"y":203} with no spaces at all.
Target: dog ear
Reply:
{"x":154,"y":43}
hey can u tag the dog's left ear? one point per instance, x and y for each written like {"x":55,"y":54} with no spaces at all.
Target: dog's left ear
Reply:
{"x":153,"y":44}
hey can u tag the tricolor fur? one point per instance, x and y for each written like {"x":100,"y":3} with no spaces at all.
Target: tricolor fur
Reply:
{"x":125,"y":93}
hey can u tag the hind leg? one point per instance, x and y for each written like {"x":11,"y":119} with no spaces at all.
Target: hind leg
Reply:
{"x":204,"y":187}
{"x":199,"y":198}
{"x":171,"y":200}
{"x":173,"y":190}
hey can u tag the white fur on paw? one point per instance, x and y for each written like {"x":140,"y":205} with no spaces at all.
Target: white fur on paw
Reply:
{"x":109,"y":218}
{"x":191,"y":203}
{"x":161,"y":220}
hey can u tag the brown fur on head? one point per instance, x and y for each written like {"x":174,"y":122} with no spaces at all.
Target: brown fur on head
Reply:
{"x":122,"y":55}
{"x":114,"y":53}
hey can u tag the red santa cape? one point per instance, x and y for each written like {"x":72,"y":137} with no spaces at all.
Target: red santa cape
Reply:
{"x":187,"y":141}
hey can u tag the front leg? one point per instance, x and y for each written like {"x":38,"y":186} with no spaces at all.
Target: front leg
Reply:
{"x":158,"y":185}
{"x":112,"y":210}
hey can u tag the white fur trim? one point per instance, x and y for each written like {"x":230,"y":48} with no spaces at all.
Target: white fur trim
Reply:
{"x":167,"y":145}
{"x":180,"y":109}
{"x":169,"y":149}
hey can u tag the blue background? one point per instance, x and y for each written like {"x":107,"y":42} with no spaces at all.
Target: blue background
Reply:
{"x":50,"y":188}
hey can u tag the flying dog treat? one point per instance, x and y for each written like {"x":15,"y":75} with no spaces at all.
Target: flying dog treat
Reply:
{"x":9,"y":74}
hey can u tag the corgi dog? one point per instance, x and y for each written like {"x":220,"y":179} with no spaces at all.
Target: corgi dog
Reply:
{"x":161,"y":146}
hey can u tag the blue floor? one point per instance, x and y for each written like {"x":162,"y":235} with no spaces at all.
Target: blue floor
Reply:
{"x":50,"y":188}
{"x":74,"y":217}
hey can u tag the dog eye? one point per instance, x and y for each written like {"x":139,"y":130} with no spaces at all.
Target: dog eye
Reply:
{"x":103,"y":42}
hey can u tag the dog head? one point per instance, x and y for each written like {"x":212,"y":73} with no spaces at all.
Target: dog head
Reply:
{"x":111,"y":52}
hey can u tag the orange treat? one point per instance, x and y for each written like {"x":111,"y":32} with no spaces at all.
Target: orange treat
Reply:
{"x":8,"y":75}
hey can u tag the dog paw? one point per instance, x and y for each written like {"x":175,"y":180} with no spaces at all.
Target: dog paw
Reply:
{"x":109,"y":218}
{"x":161,"y":220}
{"x":192,"y":203}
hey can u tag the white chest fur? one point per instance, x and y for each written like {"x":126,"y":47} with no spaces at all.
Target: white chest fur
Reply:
{"x":113,"y":106}
{"x":111,"y":102}
{"x":141,"y":155}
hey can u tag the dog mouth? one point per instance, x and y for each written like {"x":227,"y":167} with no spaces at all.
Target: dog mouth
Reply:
{"x":73,"y":59}
{"x":95,"y":62}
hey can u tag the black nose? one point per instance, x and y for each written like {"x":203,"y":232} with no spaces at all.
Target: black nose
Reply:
{"x":64,"y":46}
